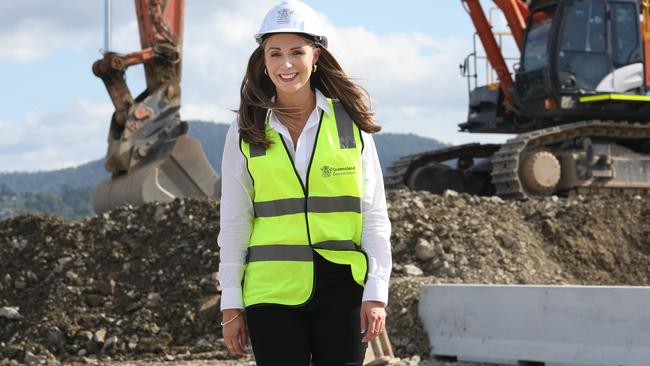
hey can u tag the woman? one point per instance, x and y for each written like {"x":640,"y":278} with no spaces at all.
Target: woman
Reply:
{"x":303,"y":211}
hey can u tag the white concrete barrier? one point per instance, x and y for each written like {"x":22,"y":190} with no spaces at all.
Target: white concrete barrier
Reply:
{"x":538,"y":325}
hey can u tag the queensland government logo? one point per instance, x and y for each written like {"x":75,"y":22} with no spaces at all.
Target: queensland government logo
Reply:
{"x":284,"y":16}
{"x":329,"y":171}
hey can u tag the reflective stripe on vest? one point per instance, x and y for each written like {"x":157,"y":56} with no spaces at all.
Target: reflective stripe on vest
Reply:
{"x":290,"y":206}
{"x":293,"y":219}
{"x":284,"y":252}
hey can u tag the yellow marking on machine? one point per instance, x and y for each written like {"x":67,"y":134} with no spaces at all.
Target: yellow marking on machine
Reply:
{"x":601,"y":97}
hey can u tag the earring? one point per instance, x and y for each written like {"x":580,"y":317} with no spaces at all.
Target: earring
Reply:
{"x":266,"y":72}
{"x":315,"y":68}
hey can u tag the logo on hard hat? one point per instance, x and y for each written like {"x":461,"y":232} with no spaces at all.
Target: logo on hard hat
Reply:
{"x":284,"y":16}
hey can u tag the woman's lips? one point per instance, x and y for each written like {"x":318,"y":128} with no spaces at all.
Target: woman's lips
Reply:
{"x":288,"y":77}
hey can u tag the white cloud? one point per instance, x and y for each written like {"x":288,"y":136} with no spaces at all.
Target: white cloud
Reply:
{"x":35,"y":39}
{"x":206,"y":112}
{"x":406,"y":72}
{"x":216,"y":52}
{"x":55,"y":139}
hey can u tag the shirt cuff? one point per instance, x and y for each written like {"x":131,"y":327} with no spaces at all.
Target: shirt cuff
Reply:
{"x":231,"y":298}
{"x":376,"y":289}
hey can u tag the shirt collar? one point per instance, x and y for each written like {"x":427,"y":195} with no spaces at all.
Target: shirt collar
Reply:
{"x":321,"y":103}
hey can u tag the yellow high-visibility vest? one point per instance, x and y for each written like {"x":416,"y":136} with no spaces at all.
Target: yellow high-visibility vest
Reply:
{"x":292,"y":220}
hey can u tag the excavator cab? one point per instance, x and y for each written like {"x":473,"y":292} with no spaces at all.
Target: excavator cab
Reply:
{"x":580,"y":59}
{"x":578,"y":49}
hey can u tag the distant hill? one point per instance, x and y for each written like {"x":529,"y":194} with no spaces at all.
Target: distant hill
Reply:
{"x":88,"y":174}
{"x":390,"y":147}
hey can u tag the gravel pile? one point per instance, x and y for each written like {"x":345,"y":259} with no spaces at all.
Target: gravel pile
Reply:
{"x":142,"y":282}
{"x":129,"y":283}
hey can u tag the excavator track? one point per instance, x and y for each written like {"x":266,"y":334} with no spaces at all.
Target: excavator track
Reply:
{"x":506,"y":161}
{"x":506,"y":158}
{"x":399,"y":172}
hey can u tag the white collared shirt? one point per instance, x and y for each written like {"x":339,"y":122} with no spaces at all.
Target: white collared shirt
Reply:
{"x":237,"y":208}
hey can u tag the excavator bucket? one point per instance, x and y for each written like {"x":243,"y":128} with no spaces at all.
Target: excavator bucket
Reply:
{"x":179,"y":169}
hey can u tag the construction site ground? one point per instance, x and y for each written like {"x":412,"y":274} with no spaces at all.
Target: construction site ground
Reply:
{"x":136,"y":286}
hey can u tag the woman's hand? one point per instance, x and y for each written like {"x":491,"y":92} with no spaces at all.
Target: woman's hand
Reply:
{"x":373,"y":319}
{"x":235,"y":335}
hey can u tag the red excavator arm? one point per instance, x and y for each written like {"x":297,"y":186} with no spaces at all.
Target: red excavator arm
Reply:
{"x":161,"y":33}
{"x":149,"y":155}
{"x":516,"y":12}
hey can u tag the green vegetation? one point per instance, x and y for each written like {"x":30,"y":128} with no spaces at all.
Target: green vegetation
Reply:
{"x":72,"y":202}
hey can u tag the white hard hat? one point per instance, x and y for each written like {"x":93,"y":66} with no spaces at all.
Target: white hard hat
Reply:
{"x":292,"y":16}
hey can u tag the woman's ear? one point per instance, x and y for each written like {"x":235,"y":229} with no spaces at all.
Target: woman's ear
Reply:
{"x":316,"y":55}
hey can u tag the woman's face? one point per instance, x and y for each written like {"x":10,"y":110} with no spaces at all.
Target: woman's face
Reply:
{"x":289,"y":60}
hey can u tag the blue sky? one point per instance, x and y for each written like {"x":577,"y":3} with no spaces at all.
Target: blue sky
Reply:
{"x":55,"y":113}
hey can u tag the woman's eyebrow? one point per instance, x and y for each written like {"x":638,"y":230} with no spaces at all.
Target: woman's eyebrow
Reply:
{"x":291,"y":49}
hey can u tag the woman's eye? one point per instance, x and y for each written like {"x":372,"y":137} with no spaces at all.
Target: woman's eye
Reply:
{"x":297,"y":52}
{"x":275,"y":54}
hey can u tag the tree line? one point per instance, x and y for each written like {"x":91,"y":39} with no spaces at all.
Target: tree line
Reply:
{"x":71,"y":202}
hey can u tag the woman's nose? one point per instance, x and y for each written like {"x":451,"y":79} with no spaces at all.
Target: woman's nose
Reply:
{"x":287,"y":63}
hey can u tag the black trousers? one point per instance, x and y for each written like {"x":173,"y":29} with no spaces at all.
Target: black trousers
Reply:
{"x":326,"y":330}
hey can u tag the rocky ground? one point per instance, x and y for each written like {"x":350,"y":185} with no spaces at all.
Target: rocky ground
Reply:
{"x":141,"y":283}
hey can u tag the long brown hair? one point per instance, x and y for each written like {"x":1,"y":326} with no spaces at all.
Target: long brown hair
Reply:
{"x":257,"y":91}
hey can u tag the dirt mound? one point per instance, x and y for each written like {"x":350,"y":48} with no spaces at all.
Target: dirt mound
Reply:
{"x":463,"y":238}
{"x":137,"y":282}
{"x":129,"y":282}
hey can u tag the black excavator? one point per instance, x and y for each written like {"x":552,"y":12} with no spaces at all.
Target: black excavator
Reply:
{"x":578,"y":100}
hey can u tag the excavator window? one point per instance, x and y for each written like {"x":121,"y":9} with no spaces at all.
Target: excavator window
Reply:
{"x":536,"y":48}
{"x":584,"y":27}
{"x":625,"y":34}
{"x":583,"y":60}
